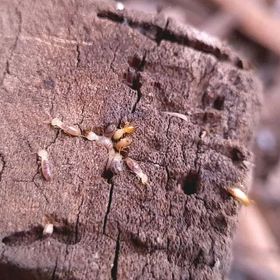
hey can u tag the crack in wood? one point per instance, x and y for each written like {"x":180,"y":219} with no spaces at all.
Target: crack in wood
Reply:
{"x":159,"y":34}
{"x":114,"y":270}
{"x":108,"y":208}
{"x":2,"y":166}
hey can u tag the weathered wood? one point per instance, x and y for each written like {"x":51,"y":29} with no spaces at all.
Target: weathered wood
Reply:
{"x":91,"y":65}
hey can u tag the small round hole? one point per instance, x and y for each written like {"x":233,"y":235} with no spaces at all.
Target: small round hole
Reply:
{"x":190,"y":183}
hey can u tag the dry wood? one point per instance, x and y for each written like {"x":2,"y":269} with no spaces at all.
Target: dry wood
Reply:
{"x":91,"y":66}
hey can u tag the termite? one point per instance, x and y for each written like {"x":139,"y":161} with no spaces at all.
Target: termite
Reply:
{"x":119,"y":6}
{"x":123,"y":144}
{"x":136,"y":169}
{"x":49,"y":223}
{"x":48,"y":229}
{"x":67,"y":129}
{"x":178,"y":115}
{"x":127,"y":129}
{"x":45,"y":164}
{"x":106,"y":142}
{"x":240,"y":196}
{"x":101,"y":140}
{"x":115,"y":162}
{"x":110,"y":130}
{"x":90,"y":135}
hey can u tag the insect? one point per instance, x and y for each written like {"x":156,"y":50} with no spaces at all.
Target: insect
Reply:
{"x":178,"y":115}
{"x":106,"y":142}
{"x":101,"y":140}
{"x":49,"y":222}
{"x":136,"y":169}
{"x":48,"y":229}
{"x":123,"y":144}
{"x":70,"y":130}
{"x":127,"y":129}
{"x":110,"y":130}
{"x":90,"y":135}
{"x":119,"y":6}
{"x":115,"y":162}
{"x":240,"y":196}
{"x":45,"y":165}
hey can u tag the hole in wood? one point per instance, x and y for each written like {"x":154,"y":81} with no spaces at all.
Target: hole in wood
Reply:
{"x":219,"y":103}
{"x":190,"y":183}
{"x":237,"y":155}
{"x":21,"y":238}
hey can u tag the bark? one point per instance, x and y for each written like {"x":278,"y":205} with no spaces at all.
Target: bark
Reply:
{"x":91,"y":65}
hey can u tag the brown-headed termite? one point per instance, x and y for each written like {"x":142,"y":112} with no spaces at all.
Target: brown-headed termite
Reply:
{"x":67,"y":129}
{"x":123,"y":144}
{"x":45,"y":164}
{"x":136,"y":169}
{"x":127,"y":129}
{"x":240,"y":196}
{"x":115,"y":162}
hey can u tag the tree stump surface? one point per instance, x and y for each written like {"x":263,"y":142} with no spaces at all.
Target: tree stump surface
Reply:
{"x":91,"y":65}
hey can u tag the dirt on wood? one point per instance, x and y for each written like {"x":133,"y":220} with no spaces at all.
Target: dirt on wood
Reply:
{"x":91,"y":65}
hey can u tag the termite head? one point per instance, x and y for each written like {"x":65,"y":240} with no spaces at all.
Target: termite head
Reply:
{"x":119,"y":6}
{"x":90,"y":135}
{"x":136,"y":169}
{"x":48,"y":229}
{"x":48,"y":223}
{"x":42,"y":154}
{"x":240,"y":196}
{"x":56,"y":122}
{"x":144,"y":178}
{"x":123,"y":144}
{"x":127,"y":129}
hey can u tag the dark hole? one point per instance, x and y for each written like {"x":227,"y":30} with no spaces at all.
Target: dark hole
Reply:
{"x":157,"y":85}
{"x":237,"y":155}
{"x":112,"y":16}
{"x":219,"y":103}
{"x":138,"y":244}
{"x":190,"y":183}
{"x":108,"y":175}
{"x":11,"y":271}
{"x":67,"y":234}
{"x":21,"y":238}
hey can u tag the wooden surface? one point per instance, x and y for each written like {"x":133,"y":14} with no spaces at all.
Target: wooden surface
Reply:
{"x":91,"y":65}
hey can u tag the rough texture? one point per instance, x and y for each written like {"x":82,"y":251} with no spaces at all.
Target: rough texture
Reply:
{"x":91,"y":65}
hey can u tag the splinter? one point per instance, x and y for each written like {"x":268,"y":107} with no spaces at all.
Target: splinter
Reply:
{"x":123,"y":144}
{"x":70,"y":130}
{"x":136,"y":169}
{"x":127,"y":129}
{"x":45,"y":165}
{"x":240,"y":196}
